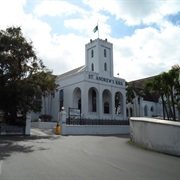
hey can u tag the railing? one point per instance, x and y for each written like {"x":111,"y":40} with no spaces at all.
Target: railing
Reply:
{"x":84,"y":121}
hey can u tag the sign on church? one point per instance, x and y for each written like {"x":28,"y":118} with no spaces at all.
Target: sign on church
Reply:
{"x":103,"y":79}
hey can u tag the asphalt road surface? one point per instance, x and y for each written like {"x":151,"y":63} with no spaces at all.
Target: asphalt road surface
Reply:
{"x":45,"y":156}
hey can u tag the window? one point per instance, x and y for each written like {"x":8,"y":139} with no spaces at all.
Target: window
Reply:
{"x":146,"y":111}
{"x":104,"y":52}
{"x":61,"y":99}
{"x":131,"y":112}
{"x":92,"y":67}
{"x":118,"y":103}
{"x":105,"y":66}
{"x":93,"y":100}
{"x":79,"y":104}
{"x":106,"y":108}
{"x":92,"y":53}
{"x":152,"y":109}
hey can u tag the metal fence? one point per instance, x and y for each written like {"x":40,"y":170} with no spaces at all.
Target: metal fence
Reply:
{"x":84,"y":121}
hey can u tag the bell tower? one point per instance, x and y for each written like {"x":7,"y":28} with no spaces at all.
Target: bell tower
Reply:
{"x":99,"y":57}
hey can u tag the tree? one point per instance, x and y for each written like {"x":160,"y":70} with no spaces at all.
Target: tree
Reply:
{"x":133,"y":96}
{"x":155,"y":86}
{"x":167,"y":86}
{"x":48,"y":88}
{"x":130,"y":95}
{"x":176,"y":70}
{"x":20,"y":75}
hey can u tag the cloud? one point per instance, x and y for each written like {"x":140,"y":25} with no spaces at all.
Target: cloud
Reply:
{"x":11,"y":12}
{"x":59,"y":53}
{"x":136,"y":12}
{"x":86,"y":24}
{"x":67,"y":54}
{"x":57,"y":8}
{"x":147,"y":52}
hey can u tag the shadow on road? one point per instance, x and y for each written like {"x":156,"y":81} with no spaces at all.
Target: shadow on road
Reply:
{"x":21,"y":144}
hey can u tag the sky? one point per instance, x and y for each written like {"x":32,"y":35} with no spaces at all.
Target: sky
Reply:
{"x":145,"y":33}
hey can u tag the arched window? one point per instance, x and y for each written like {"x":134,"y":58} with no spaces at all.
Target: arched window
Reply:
{"x":77,"y":98}
{"x":104,"y":52}
{"x":106,"y":97}
{"x":131,"y":112}
{"x":105,"y":66}
{"x":152,"y":109}
{"x":79,"y":104}
{"x":127,"y":112}
{"x":92,"y":53}
{"x":118,"y":103}
{"x":61,"y":98}
{"x":146,"y":111}
{"x":106,"y":108}
{"x":92,"y":67}
{"x":93,"y":100}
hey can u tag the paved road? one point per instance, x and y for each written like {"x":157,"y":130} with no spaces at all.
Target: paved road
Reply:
{"x":45,"y":156}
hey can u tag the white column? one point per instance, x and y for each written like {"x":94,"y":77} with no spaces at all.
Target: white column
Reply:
{"x":62,"y":121}
{"x":84,"y":101}
{"x":28,"y":124}
{"x":112,"y":104}
{"x":100,"y":103}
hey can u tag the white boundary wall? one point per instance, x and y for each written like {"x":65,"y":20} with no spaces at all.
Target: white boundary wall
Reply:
{"x":90,"y":129}
{"x":44,"y":125}
{"x":94,"y":129}
{"x":159,"y":135}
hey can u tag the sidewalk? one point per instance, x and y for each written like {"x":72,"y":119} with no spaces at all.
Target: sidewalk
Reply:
{"x":42,"y":132}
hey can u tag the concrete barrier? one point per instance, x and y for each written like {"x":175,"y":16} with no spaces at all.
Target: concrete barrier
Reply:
{"x":159,"y":135}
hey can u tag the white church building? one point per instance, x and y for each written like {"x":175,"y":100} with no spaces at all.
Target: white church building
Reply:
{"x":92,"y":89}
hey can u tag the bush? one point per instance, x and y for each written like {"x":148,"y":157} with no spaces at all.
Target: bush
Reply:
{"x":45,"y":117}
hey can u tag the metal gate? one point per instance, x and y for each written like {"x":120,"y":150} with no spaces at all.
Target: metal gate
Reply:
{"x":73,"y":115}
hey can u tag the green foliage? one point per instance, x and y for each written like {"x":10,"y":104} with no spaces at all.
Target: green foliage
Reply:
{"x":168,"y":86}
{"x":130,"y":93}
{"x":23,"y":77}
{"x":45,"y":118}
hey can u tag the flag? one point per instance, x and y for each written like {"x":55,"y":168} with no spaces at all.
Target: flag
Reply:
{"x":95,"y":29}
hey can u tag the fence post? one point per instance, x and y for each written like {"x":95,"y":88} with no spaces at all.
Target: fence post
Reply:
{"x":62,"y":120}
{"x":28,"y":124}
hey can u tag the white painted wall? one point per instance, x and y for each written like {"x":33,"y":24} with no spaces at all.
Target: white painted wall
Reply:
{"x":43,"y":125}
{"x":82,"y":81}
{"x":86,"y":79}
{"x":138,"y":110}
{"x":159,"y":135}
{"x":94,"y":130}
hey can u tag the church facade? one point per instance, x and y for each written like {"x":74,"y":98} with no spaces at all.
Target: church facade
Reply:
{"x":92,"y":89}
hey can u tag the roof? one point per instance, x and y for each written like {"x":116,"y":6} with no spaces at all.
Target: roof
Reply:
{"x":140,"y":82}
{"x":139,"y":85}
{"x":74,"y":71}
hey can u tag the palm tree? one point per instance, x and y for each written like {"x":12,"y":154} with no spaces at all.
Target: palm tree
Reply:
{"x":169,"y":80}
{"x":176,"y":70}
{"x":168,"y":87}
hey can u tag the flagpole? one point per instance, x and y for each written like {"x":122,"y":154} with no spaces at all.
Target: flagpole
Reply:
{"x":98,"y":30}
